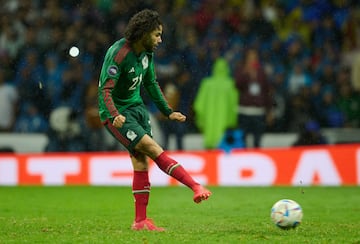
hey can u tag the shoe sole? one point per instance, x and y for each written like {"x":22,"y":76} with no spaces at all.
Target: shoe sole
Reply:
{"x":146,"y":229}
{"x":202,"y":197}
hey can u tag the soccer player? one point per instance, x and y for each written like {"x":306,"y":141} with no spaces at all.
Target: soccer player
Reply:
{"x":128,"y":64}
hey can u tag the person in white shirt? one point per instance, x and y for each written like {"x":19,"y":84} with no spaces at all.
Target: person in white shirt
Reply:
{"x":8,"y":104}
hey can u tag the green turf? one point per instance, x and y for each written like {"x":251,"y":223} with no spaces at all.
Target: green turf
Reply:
{"x":232,"y":215}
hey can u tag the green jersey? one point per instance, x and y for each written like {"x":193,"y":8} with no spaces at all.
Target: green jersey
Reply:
{"x":122,"y":74}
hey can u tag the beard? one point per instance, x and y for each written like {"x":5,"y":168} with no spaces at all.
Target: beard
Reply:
{"x":149,"y":47}
{"x":148,"y":44}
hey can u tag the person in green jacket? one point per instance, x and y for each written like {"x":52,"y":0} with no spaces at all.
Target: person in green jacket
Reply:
{"x":216,"y":104}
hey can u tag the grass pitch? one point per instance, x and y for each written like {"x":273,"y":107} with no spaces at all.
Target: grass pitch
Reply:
{"x":79,"y":214}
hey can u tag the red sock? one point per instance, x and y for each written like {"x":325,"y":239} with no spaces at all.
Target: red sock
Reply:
{"x":174,"y":169}
{"x":141,"y":192}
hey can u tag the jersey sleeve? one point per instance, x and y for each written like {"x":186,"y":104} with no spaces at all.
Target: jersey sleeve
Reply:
{"x":109,"y":76}
{"x":153,"y":89}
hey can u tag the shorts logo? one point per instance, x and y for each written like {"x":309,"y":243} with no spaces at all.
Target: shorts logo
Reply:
{"x":131,"y":135}
{"x":113,"y":70}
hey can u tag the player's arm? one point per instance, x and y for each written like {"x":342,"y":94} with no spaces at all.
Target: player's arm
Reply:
{"x":109,"y":76}
{"x":118,"y":119}
{"x":177,"y":116}
{"x":156,"y":95}
{"x":154,"y":90}
{"x":105,"y":89}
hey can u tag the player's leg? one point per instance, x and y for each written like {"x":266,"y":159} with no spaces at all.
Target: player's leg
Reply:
{"x":141,"y":183}
{"x":140,"y":186}
{"x":139,"y":142}
{"x":171,"y":167}
{"x":259,"y":127}
{"x":129,"y":135}
{"x":141,"y":192}
{"x":145,"y":144}
{"x":244,"y":125}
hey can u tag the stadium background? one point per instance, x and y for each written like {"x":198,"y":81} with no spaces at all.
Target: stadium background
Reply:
{"x":54,"y":94}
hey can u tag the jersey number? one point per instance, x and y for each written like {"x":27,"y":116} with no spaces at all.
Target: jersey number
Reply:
{"x":136,"y":81}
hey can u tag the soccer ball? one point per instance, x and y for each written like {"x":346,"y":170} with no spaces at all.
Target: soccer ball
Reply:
{"x":286,"y":214}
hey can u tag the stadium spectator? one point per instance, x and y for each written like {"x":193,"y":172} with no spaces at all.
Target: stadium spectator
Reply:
{"x":66,"y":133}
{"x":298,"y":110}
{"x":54,"y":69}
{"x":94,"y":132}
{"x":327,"y":32}
{"x":255,"y":102}
{"x":12,"y":36}
{"x":73,"y":85}
{"x":30,"y":82}
{"x":215,"y":104}
{"x":355,"y":71}
{"x":298,"y":78}
{"x":330,"y":116}
{"x":310,"y":134}
{"x":280,"y":96}
{"x":260,"y":29}
{"x":348,"y":102}
{"x":30,"y":120}
{"x":8,"y":104}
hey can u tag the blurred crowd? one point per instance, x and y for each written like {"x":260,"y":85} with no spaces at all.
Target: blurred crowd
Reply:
{"x":307,"y":52}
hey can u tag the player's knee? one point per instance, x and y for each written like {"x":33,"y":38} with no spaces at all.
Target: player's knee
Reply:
{"x":151,"y":149}
{"x":140,"y":162}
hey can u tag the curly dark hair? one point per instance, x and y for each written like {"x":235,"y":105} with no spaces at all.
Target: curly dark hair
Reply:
{"x":141,"y":23}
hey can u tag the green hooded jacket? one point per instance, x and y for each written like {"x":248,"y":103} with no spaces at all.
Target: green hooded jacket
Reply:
{"x":216,"y":104}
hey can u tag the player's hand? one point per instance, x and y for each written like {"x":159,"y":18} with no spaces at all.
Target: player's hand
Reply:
{"x":119,"y":121}
{"x":177,"y":116}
